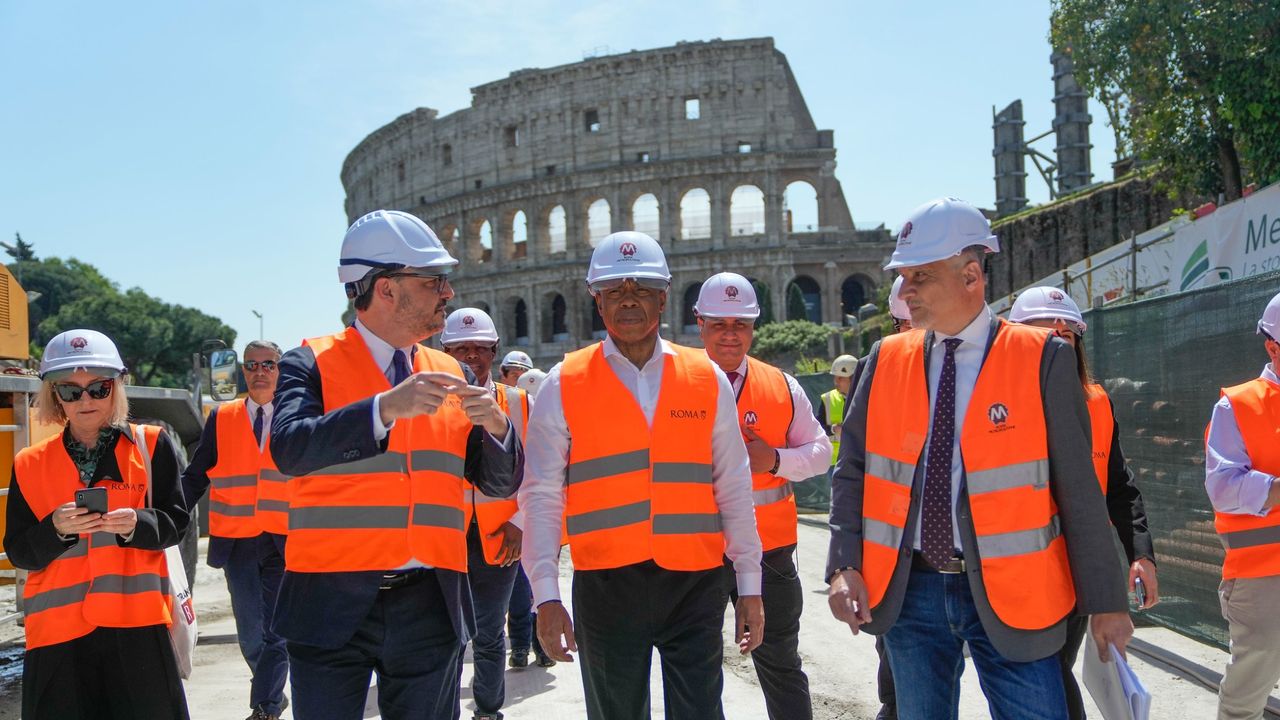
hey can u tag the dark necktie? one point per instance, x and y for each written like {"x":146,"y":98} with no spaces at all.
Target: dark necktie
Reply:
{"x":257,"y":425}
{"x":399,"y":368}
{"x":936,"y":541}
{"x":733,"y":378}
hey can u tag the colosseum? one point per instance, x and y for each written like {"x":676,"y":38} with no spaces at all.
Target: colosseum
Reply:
{"x":708,"y":147}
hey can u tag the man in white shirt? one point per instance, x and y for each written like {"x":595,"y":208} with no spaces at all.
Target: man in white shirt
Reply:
{"x":653,"y":488}
{"x":785,"y":444}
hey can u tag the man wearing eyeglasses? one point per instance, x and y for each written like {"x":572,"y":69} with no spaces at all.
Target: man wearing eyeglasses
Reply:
{"x":634,"y":445}
{"x":379,"y":432}
{"x":248,"y":507}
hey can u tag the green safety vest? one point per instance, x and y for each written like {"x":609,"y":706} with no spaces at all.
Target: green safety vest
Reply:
{"x":833,"y":402}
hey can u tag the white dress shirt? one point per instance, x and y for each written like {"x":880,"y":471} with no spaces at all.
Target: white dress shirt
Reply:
{"x":968,"y":362}
{"x":808,"y":451}
{"x":542,"y":497}
{"x":267,"y":411}
{"x":1229,"y":478}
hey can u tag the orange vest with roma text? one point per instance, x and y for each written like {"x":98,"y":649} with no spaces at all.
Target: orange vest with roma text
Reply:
{"x":94,"y":583}
{"x":765,"y":407}
{"x":382,"y":511}
{"x":491,"y":513}
{"x":1004,"y":444}
{"x":1103,"y":424}
{"x":1252,"y":542}
{"x":633,"y":492}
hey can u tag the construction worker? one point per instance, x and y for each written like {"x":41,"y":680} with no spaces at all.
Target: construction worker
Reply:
{"x":96,"y":607}
{"x":531,"y":381}
{"x":634,"y":445}
{"x":785,"y":444}
{"x":1051,"y":308}
{"x":248,"y":520}
{"x":379,"y":432}
{"x":1242,"y":461}
{"x":831,"y":411}
{"x":901,"y":315}
{"x":984,"y":525}
{"x":514,"y":364}
{"x":493,"y":541}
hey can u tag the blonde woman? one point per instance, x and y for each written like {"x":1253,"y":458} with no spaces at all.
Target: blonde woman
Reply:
{"x":96,"y":601}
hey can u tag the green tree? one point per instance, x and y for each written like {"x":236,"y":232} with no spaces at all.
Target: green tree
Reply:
{"x":20,"y":249}
{"x":1191,"y":84}
{"x":779,"y":342}
{"x":796,"y":309}
{"x":766,"y":303}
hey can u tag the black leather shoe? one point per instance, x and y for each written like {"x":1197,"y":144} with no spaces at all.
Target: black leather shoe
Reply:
{"x":887,"y":712}
{"x":519,"y":659}
{"x":544,"y":660}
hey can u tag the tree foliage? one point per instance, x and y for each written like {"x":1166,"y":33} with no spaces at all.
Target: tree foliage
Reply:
{"x":156,"y":339}
{"x":20,"y":249}
{"x":794,"y":338}
{"x":796,"y":309}
{"x":1191,"y":84}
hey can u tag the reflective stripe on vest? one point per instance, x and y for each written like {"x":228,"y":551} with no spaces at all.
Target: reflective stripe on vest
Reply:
{"x":765,"y":407}
{"x":492,"y":513}
{"x":1252,"y":542}
{"x":233,"y":491}
{"x":95,"y":582}
{"x":384,"y":511}
{"x":636,"y":492}
{"x":1004,"y":445}
{"x":833,"y":403}
{"x":1103,"y":424}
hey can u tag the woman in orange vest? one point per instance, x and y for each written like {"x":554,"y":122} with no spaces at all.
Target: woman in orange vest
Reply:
{"x":1052,"y":308}
{"x":96,"y":601}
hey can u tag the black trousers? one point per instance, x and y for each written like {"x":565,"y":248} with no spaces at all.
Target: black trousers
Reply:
{"x":109,"y":674}
{"x":777,"y":660}
{"x":621,"y":615}
{"x":408,"y":639}
{"x":1077,"y":628}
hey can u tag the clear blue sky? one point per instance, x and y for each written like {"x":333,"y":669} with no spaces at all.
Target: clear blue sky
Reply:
{"x":193,"y":148}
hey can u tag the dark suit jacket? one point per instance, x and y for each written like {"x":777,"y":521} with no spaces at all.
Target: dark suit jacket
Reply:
{"x":195,"y":483}
{"x":325,"y":609}
{"x":1095,"y":567}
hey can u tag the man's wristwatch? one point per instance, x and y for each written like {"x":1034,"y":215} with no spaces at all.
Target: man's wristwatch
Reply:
{"x":837,"y":571}
{"x":777,"y":460}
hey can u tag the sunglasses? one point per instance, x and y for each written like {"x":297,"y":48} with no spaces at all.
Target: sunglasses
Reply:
{"x":643,"y":286}
{"x":98,"y":390}
{"x":252,"y":365}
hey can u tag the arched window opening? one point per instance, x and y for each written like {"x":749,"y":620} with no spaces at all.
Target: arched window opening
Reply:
{"x":556,"y":230}
{"x":646,"y":217}
{"x":519,"y":235}
{"x":800,"y":208}
{"x":599,"y":221}
{"x":689,"y":318}
{"x":695,"y":215}
{"x":746,"y":211}
{"x":804,"y":300}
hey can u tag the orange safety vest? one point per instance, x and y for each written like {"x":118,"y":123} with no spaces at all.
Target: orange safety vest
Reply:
{"x":247,"y":494}
{"x":1103,"y":423}
{"x":383,"y":511}
{"x":491,"y":513}
{"x":634,"y":492}
{"x":94,"y":583}
{"x":765,"y":407}
{"x":1252,"y":542}
{"x":1006,"y":462}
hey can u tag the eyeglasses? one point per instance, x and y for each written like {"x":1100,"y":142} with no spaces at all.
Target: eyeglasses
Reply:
{"x":98,"y":390}
{"x":642,"y":286}
{"x":440,"y":278}
{"x":252,"y":365}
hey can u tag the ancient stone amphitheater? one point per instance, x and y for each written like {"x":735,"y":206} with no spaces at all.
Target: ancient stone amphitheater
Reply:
{"x":707,"y":146}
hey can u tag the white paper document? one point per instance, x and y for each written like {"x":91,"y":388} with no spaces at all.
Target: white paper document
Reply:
{"x":1117,"y":691}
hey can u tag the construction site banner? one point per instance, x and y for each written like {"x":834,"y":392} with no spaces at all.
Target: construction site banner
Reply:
{"x":1238,"y":240}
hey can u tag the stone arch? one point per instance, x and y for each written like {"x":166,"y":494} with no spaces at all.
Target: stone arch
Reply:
{"x":646,"y":216}
{"x":593,"y":323}
{"x":448,"y":237}
{"x":746,"y":211}
{"x":688,"y":317}
{"x":557,"y":229}
{"x":518,"y":232}
{"x":555,"y":318}
{"x":480,"y":242}
{"x":804,"y":299}
{"x":694,"y":219}
{"x":599,"y":221}
{"x":799,"y":208}
{"x":515,"y":322}
{"x":855,"y":291}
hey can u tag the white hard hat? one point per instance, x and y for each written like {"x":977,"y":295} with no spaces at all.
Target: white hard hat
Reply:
{"x":844,"y":366}
{"x":468,"y":325}
{"x":531,"y":381}
{"x":80,"y":350}
{"x":390,"y":240}
{"x":628,"y":254}
{"x":517,"y":358}
{"x":1270,"y":322}
{"x":727,"y":295}
{"x":1047,"y":303}
{"x":897,"y":306}
{"x":941,"y":229}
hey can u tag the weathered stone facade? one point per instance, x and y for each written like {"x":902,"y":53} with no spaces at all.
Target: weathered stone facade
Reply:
{"x":698,"y":144}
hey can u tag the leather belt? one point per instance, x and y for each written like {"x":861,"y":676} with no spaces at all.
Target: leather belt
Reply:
{"x":393,"y":581}
{"x":954,"y":566}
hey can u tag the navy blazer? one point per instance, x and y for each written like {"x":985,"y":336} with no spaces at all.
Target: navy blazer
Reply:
{"x":325,"y":609}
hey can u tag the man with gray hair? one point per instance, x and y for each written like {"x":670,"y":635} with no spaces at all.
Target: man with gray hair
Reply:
{"x":248,"y":519}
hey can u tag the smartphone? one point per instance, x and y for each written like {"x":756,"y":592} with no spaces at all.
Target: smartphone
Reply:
{"x":1140,"y":592}
{"x":92,"y":499}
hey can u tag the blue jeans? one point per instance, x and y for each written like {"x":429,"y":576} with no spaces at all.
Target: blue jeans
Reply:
{"x":520,"y":617}
{"x":491,"y":594}
{"x":925,"y":650}
{"x":253,"y":570}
